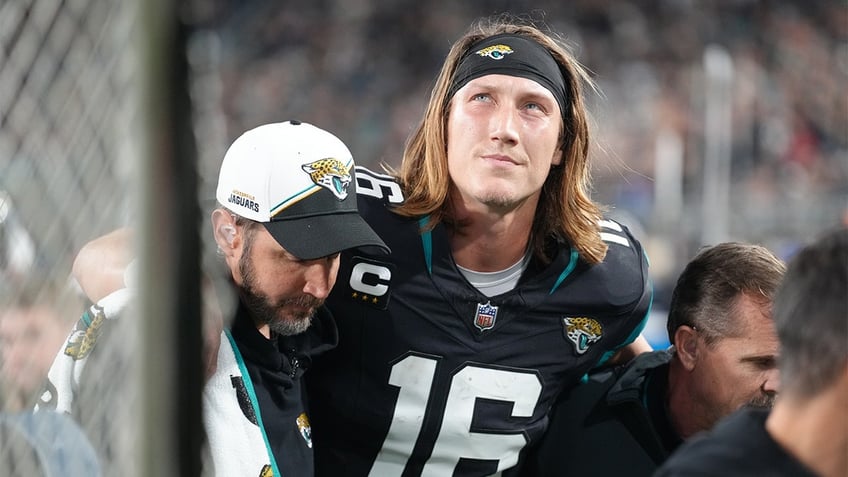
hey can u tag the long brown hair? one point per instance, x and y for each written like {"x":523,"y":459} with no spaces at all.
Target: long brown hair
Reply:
{"x":565,"y":211}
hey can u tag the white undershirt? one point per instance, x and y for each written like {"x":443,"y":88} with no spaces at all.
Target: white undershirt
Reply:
{"x":495,"y":283}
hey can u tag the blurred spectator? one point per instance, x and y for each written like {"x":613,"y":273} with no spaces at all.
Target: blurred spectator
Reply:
{"x":44,"y":444}
{"x":32,"y":329}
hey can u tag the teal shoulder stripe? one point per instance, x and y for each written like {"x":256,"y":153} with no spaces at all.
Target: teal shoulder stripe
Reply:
{"x":427,"y":243}
{"x":248,"y":384}
{"x":572,"y":262}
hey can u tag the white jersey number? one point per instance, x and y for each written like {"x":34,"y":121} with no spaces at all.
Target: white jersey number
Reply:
{"x":414,"y":376}
{"x":378,"y":185}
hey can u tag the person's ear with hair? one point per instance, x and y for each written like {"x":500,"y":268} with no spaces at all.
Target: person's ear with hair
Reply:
{"x":686,"y":345}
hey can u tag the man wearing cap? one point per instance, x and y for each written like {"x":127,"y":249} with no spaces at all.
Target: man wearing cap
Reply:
{"x":287,"y":207}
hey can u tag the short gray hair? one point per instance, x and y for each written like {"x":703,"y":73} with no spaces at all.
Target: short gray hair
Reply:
{"x":708,"y":289}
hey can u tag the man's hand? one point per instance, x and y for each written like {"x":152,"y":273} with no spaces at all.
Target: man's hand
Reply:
{"x":103,"y":266}
{"x":100,"y":265}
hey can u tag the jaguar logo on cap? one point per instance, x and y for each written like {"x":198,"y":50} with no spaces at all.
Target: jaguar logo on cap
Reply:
{"x":330,"y":174}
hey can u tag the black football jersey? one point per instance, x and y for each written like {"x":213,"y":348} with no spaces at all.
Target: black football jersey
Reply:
{"x":433,"y":378}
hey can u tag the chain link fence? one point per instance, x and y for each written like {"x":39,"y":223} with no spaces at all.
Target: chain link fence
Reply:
{"x":69,"y":114}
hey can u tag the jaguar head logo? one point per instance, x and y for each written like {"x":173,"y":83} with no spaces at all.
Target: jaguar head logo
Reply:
{"x":305,"y":428}
{"x":330,"y":174}
{"x":582,"y":332}
{"x":495,"y":52}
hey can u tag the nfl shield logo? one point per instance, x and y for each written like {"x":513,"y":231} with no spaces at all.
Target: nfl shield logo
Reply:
{"x":486,"y":316}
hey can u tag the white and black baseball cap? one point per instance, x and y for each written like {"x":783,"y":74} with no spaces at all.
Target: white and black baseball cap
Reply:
{"x":298,"y":180}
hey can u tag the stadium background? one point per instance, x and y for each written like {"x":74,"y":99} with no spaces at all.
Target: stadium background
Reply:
{"x":717,"y":120}
{"x":363,"y":70}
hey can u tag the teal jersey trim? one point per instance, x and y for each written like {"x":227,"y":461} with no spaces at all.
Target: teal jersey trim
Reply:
{"x":633,"y":335}
{"x":248,"y":384}
{"x":572,"y":263}
{"x":427,"y":243}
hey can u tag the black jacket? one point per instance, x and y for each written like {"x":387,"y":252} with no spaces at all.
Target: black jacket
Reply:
{"x":738,"y":446}
{"x":615,"y":423}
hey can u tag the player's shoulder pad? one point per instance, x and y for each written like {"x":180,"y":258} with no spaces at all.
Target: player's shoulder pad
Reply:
{"x":622,"y":245}
{"x":382,"y":187}
{"x":616,"y":234}
{"x":625,"y":266}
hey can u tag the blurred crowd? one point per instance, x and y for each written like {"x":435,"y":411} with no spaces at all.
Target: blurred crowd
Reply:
{"x":363,"y":69}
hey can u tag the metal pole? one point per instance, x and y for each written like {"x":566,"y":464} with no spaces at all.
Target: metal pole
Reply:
{"x":715,"y":203}
{"x":169,"y":296}
{"x":668,"y":187}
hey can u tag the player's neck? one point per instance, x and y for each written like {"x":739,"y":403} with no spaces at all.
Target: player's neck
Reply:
{"x":487,"y":240}
{"x":684,"y":412}
{"x":485,"y":245}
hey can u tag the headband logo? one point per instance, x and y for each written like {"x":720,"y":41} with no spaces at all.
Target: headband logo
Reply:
{"x":495,"y":52}
{"x":330,"y":174}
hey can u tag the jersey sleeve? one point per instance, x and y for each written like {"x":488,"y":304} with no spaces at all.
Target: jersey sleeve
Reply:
{"x":629,"y":280}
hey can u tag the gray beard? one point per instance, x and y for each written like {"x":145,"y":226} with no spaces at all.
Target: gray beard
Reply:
{"x":763,"y":401}
{"x":264,"y":311}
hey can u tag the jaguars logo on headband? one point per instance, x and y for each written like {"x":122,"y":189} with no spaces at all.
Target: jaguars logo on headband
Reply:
{"x":330,"y":174}
{"x":495,"y":52}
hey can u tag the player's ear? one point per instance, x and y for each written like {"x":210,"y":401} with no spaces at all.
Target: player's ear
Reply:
{"x":556,"y":160}
{"x":686,"y":345}
{"x":224,"y":230}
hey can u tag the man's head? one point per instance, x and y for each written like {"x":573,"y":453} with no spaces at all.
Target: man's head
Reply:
{"x":721,"y":327}
{"x":535,"y":139}
{"x":288,"y":207}
{"x":32,"y":329}
{"x":811,"y":316}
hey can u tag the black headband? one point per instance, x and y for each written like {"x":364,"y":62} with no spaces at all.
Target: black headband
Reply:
{"x":512,"y":55}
